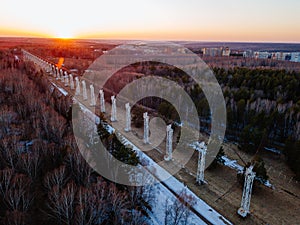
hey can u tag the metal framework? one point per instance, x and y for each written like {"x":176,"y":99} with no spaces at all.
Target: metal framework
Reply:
{"x":202,"y":148}
{"x":246,"y":197}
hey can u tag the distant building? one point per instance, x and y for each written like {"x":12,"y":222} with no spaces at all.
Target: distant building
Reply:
{"x":212,"y":51}
{"x":274,"y":56}
{"x":226,"y":51}
{"x":295,"y":56}
{"x":248,"y":53}
{"x":237,"y":53}
{"x":281,"y":55}
{"x":262,"y":55}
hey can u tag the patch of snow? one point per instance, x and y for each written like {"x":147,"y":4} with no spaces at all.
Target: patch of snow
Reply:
{"x":164,"y":191}
{"x":274,"y":150}
{"x":268,"y":184}
{"x":176,"y":186}
{"x":198,"y":146}
{"x":29,"y":143}
{"x":65,"y":93}
{"x":233,"y":164}
{"x":162,"y":195}
{"x":178,"y":124}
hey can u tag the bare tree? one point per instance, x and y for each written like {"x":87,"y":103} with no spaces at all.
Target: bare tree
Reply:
{"x":15,"y":218}
{"x":100,"y":200}
{"x":30,"y":163}
{"x":21,"y":110}
{"x":79,"y":168}
{"x":137,"y":218}
{"x":63,"y":105}
{"x":119,"y":204}
{"x":58,"y":126}
{"x":139,"y":198}
{"x":67,"y":201}
{"x":62,"y":203}
{"x":178,"y":212}
{"x":6,"y":118}
{"x":83,"y":214}
{"x":32,"y":99}
{"x":53,"y":203}
{"x":55,"y":178}
{"x":18,"y":196}
{"x":90,"y":205}
{"x":45,"y":118}
{"x":6,"y":177}
{"x":10,"y":150}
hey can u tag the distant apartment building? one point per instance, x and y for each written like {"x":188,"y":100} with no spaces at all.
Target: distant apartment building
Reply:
{"x":216,"y":51}
{"x":237,"y":53}
{"x":212,"y":51}
{"x":261,"y":55}
{"x":295,"y":57}
{"x":248,"y":53}
{"x":226,"y":51}
{"x":281,"y":55}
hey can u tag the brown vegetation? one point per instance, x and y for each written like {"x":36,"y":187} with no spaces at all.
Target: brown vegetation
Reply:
{"x":43,"y":177}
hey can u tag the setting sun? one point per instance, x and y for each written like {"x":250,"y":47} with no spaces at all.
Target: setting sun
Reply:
{"x":173,"y":20}
{"x":64,"y":35}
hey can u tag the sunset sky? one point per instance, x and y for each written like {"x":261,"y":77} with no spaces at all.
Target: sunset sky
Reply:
{"x":209,"y":20}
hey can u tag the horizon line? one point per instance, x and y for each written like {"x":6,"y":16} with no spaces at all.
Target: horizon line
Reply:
{"x":146,"y":39}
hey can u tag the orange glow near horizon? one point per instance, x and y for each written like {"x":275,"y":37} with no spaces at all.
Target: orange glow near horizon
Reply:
{"x":63,"y":35}
{"x":192,"y":36}
{"x":184,"y":34}
{"x":10,"y":32}
{"x":216,"y":20}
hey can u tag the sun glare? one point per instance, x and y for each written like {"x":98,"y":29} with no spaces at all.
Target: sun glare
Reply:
{"x":64,"y":35}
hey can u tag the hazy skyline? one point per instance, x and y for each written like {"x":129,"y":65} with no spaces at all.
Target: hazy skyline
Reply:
{"x":214,"y":20}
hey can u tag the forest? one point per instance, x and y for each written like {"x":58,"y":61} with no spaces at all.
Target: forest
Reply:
{"x":263,"y":110}
{"x":43,"y":177}
{"x":263,"y":106}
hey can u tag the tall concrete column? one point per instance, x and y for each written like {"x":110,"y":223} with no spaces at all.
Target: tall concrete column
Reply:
{"x":169,"y":143}
{"x":77,"y":92}
{"x":66,"y":79}
{"x":102,"y":101}
{"x":71,"y":81}
{"x":93,"y":100}
{"x":146,"y":128}
{"x":84,"y":92}
{"x":113,"y":117}
{"x":128,"y":117}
